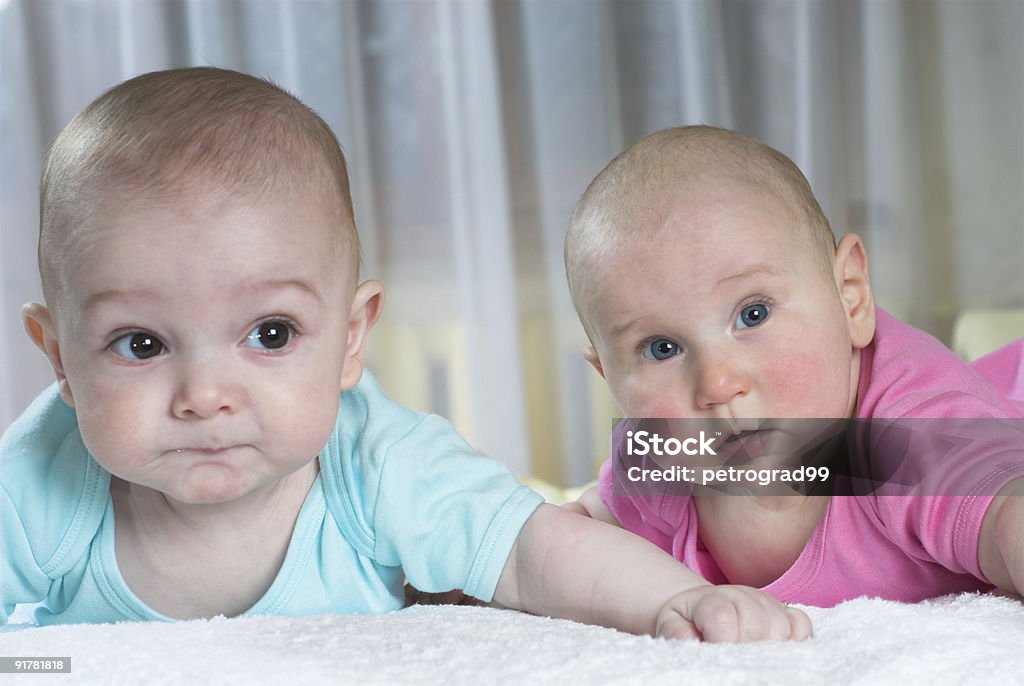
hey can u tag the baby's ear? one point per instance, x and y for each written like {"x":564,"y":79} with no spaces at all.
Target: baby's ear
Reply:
{"x":590,"y":355}
{"x":39,"y":326}
{"x":367,"y":304}
{"x":851,"y":275}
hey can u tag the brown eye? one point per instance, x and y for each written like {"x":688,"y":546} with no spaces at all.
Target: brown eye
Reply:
{"x":137,"y":346}
{"x":270,"y":335}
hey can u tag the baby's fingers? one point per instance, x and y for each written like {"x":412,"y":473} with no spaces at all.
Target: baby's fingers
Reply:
{"x":674,"y":626}
{"x":730,"y":618}
{"x":799,"y":624}
{"x":704,"y":613}
{"x":762,"y":617}
{"x":730,"y":614}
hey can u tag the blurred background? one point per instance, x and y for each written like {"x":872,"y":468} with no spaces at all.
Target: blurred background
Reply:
{"x":472,"y":126}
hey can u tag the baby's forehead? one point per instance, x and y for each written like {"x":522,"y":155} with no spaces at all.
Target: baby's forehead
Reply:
{"x":691,"y":230}
{"x":124,"y":221}
{"x":703,"y":207}
{"x":199,"y":197}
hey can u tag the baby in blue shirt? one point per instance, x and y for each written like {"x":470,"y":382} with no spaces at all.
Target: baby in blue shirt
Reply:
{"x":213,"y":445}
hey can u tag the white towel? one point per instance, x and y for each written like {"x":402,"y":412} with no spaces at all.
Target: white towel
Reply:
{"x":963,"y":639}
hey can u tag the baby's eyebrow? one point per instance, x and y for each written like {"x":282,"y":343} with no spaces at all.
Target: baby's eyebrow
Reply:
{"x":753,"y":270}
{"x":115,"y":294}
{"x":279,"y":284}
{"x":624,"y":328}
{"x":96,"y":299}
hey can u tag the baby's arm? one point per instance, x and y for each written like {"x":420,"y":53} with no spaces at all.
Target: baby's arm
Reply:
{"x":570,"y":566}
{"x":1001,"y":543}
{"x":590,"y":505}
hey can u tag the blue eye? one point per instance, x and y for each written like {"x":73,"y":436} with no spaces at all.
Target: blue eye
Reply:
{"x":137,"y":346}
{"x":661,"y":349}
{"x":272,"y":334}
{"x":752,"y":315}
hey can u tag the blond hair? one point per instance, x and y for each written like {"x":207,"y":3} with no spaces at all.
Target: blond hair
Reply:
{"x":629,"y":196}
{"x":197,"y":128}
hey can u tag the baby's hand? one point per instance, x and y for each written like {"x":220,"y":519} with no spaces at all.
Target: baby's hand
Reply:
{"x":730,"y":614}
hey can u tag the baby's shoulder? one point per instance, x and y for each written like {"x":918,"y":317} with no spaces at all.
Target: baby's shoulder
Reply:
{"x":371,"y":421}
{"x":909,"y":373}
{"x":57,"y":491}
{"x":376,"y":442}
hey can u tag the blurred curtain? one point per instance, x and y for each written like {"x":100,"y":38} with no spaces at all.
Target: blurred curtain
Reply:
{"x":472,"y":126}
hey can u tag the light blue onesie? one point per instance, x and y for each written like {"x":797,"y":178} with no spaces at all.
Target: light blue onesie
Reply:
{"x":398,"y":492}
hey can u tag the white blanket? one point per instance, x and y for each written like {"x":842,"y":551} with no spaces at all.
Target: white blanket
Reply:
{"x":964,"y":639}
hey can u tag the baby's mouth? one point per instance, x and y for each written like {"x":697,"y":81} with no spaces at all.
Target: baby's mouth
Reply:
{"x":743,"y":446}
{"x":204,"y":451}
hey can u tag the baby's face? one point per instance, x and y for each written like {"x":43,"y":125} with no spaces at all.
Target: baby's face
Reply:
{"x":724,"y":312}
{"x":203,"y":342}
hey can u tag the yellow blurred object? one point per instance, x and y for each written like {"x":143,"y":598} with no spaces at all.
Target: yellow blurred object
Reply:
{"x":979,"y":332}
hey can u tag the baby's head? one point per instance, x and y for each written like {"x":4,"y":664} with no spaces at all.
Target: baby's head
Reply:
{"x":709,"y":283}
{"x":199,"y":262}
{"x":185,"y":137}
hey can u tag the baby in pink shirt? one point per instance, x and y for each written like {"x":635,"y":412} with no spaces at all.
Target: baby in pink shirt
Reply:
{"x":740,"y":308}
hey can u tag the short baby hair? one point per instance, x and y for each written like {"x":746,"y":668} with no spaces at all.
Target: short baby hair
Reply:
{"x":630,"y":195}
{"x":196,"y":128}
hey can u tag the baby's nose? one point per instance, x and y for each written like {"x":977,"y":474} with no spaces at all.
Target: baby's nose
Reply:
{"x":719,"y":380}
{"x":204,"y":389}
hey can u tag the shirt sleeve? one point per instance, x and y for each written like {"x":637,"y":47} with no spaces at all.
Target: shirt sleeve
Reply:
{"x":936,"y":474}
{"x":21,"y":579}
{"x":49,"y":501}
{"x":446,"y":514}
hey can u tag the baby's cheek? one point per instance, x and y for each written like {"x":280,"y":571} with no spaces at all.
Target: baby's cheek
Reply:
{"x":116,"y":430}
{"x":807,"y":383}
{"x":306,"y":419}
{"x":665,"y":406}
{"x":652,"y":400}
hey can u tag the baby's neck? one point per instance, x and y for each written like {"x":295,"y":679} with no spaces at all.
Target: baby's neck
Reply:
{"x":189,"y":561}
{"x":756,"y":540}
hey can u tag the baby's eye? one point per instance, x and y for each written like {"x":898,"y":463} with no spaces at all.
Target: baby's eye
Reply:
{"x":752,"y":315}
{"x":137,"y":346}
{"x":661,"y":349}
{"x":272,"y":334}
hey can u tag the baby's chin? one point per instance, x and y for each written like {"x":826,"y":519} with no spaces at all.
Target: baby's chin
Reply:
{"x":210,"y":485}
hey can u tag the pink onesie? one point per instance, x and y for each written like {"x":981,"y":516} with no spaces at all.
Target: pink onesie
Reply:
{"x":904,"y":547}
